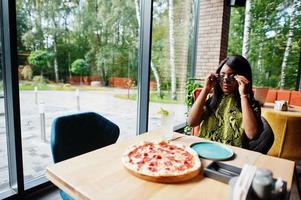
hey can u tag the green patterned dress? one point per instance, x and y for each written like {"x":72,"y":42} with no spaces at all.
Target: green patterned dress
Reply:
{"x":224,"y":124}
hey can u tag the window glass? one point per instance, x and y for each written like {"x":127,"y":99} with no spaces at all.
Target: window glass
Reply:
{"x":171,"y":57}
{"x":74,"y":56}
{"x":272,"y":42}
{"x":4,"y":176}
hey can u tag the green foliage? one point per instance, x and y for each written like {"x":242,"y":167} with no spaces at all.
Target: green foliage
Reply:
{"x":110,"y":28}
{"x":268,"y":37}
{"x":28,"y":85}
{"x":23,"y":25}
{"x":160,"y":47}
{"x":39,"y":59}
{"x":190,"y":86}
{"x":80,"y":67}
{"x":166,"y":98}
{"x":106,"y":34}
{"x":38,"y":81}
{"x":236,"y":31}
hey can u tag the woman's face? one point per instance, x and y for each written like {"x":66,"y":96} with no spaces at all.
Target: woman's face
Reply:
{"x":227,"y":80}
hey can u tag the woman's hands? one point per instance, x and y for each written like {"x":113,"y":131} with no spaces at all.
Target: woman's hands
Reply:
{"x":210,"y":82}
{"x":242,"y":84}
{"x":242,"y":81}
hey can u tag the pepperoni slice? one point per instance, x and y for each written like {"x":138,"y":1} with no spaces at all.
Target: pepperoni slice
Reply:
{"x":171,"y":158}
{"x":152,"y":164}
{"x":146,"y":159}
{"x":181,"y":168}
{"x":168,"y":163}
{"x":152,"y":169}
{"x":188,"y":164}
{"x":137,"y":155}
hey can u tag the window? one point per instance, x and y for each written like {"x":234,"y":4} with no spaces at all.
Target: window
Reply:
{"x":172,"y":36}
{"x":4,"y":174}
{"x":271,"y":42}
{"x":74,"y":56}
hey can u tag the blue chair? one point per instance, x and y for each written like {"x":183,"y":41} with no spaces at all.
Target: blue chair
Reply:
{"x":76,"y":134}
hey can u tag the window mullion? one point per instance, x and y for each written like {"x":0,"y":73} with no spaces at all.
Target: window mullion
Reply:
{"x":144,"y":65}
{"x":11,"y":95}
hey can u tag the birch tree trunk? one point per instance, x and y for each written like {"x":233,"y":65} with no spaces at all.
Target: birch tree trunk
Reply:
{"x":259,"y":62}
{"x":153,"y":67}
{"x":172,"y":50}
{"x":56,"y":68}
{"x":247,"y":28}
{"x":51,"y":8}
{"x":288,"y":44}
{"x":157,"y":78}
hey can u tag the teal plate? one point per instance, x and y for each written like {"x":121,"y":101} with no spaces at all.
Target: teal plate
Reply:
{"x":213,"y":151}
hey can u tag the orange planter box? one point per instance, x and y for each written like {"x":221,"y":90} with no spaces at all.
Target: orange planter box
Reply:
{"x":120,"y":82}
{"x":284,"y":95}
{"x":295,"y":98}
{"x":271,"y":96}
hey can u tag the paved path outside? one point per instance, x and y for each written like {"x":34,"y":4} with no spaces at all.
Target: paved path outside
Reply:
{"x":36,"y":153}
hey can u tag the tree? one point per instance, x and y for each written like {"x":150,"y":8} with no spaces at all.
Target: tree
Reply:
{"x":172,"y":51}
{"x":247,"y":27}
{"x":80,"y":67}
{"x":236,"y":31}
{"x":265,"y":42}
{"x":23,"y":24}
{"x":270,"y":23}
{"x":34,"y":10}
{"x":288,"y":43}
{"x":53,"y":17}
{"x":39,"y":59}
{"x":110,"y":28}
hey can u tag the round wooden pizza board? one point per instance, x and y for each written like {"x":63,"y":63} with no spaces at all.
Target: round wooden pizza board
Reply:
{"x":166,"y":179}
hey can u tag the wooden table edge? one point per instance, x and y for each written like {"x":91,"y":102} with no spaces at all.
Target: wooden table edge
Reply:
{"x":60,"y":183}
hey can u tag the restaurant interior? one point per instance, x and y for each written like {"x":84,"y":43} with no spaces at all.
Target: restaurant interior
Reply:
{"x":167,"y":47}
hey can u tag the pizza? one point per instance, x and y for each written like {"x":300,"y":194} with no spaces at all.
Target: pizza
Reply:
{"x":162,"y":161}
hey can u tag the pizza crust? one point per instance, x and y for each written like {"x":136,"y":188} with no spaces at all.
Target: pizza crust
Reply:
{"x":161,"y":175}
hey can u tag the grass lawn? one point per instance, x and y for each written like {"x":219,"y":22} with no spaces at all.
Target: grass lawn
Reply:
{"x":153,"y":97}
{"x":27,"y":85}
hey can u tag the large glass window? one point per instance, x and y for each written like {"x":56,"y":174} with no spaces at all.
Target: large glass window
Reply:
{"x":172,"y":33}
{"x":74,"y":56}
{"x":272,"y":41}
{"x":4,"y":174}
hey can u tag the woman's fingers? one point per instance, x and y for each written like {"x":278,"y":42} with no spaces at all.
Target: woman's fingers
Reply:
{"x":211,"y":77}
{"x":210,"y":80}
{"x":242,"y":79}
{"x":242,"y":83}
